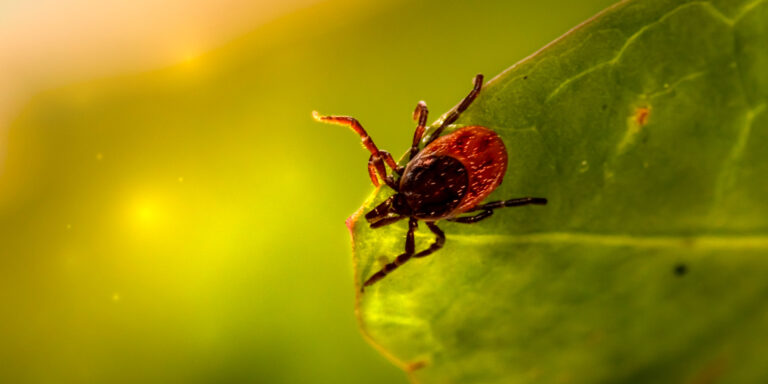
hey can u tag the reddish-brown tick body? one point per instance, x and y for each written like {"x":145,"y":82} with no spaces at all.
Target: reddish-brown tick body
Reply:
{"x":454,"y":173}
{"x":450,"y":176}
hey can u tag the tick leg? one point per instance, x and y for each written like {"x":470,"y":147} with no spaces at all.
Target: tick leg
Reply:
{"x":386,"y":221}
{"x":420,"y":115}
{"x":487,"y":209}
{"x":381,"y":215}
{"x":472,"y":219}
{"x":439,"y":240}
{"x":376,"y":165}
{"x":390,"y":160}
{"x":380,"y":209}
{"x":455,"y":113}
{"x":368,"y":143}
{"x":511,"y":203}
{"x":399,"y":260}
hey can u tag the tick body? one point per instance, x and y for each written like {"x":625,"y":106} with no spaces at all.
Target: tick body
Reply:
{"x":454,"y":173}
{"x":446,"y":180}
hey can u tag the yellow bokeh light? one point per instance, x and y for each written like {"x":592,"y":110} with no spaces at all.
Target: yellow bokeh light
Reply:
{"x":188,"y":56}
{"x":145,"y":214}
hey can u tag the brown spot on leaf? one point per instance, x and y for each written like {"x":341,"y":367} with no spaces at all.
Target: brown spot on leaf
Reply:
{"x":415,"y":365}
{"x":641,"y":115}
{"x":711,"y":372}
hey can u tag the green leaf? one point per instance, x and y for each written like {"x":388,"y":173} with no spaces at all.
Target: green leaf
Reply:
{"x":646,"y":128}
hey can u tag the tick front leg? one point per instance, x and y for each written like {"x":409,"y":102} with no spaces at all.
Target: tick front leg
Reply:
{"x":420,"y":115}
{"x":399,"y":260}
{"x":376,"y":166}
{"x":386,"y":221}
{"x":455,"y":113}
{"x":368,"y":143}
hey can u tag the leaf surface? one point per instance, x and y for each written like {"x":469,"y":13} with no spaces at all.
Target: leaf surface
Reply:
{"x":646,"y":128}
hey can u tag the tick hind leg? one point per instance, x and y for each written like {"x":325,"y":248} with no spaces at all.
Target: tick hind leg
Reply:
{"x":487,"y":209}
{"x":410,"y":246}
{"x":410,"y":250}
{"x":456,"y":112}
{"x":378,"y":157}
{"x":439,"y":241}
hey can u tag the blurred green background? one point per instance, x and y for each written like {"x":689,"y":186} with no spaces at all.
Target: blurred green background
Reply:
{"x":186,"y":223}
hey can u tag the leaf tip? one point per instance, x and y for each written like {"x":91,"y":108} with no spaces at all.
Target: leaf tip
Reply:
{"x":352,"y":220}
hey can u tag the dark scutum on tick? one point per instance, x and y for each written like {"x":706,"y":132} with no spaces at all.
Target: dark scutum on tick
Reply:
{"x":449,"y":177}
{"x":435,"y":186}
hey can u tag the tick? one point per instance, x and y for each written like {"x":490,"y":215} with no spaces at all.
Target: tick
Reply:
{"x":446,"y":180}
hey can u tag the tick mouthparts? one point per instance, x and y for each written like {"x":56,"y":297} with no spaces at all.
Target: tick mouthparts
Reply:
{"x":375,"y":218}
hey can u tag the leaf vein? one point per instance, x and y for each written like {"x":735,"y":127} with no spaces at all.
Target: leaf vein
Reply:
{"x":746,"y":9}
{"x":726,"y":179}
{"x":631,"y":39}
{"x":617,"y":240}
